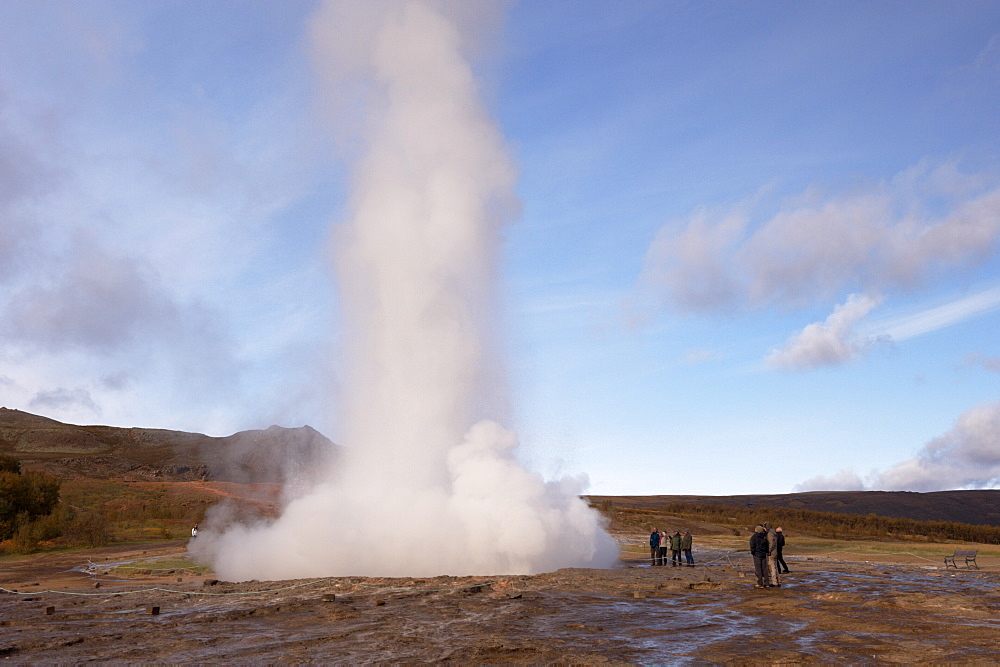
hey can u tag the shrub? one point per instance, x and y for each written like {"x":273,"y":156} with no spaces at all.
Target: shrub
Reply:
{"x":91,"y":528}
{"x":25,"y":498}
{"x":9,"y":464}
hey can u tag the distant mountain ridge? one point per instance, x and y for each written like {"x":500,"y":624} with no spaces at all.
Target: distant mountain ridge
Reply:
{"x":275,"y":454}
{"x":289,"y":455}
{"x":977,"y":507}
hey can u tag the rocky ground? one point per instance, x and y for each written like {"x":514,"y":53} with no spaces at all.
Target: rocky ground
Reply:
{"x":66,"y":608}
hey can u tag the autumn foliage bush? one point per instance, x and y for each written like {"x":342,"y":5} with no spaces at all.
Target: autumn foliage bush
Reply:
{"x":28,"y":503}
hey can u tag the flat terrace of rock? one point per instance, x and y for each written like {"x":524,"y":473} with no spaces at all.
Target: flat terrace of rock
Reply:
{"x":826,"y":610}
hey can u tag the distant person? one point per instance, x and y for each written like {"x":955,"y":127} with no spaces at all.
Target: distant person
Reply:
{"x":780,"y":560}
{"x":664,"y":543}
{"x":686,"y":540}
{"x":654,"y":547}
{"x":772,"y":555}
{"x":675,"y":548}
{"x":758,"y":549}
{"x":194,"y":531}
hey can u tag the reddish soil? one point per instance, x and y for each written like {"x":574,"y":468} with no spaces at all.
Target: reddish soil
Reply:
{"x":826,"y":611}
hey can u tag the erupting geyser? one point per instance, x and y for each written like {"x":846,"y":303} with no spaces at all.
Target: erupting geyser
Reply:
{"x":431,"y":484}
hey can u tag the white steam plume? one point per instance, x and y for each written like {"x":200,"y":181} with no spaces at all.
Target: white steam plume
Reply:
{"x":430,"y":486}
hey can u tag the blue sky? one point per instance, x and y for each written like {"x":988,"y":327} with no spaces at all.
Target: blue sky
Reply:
{"x":757,"y":249}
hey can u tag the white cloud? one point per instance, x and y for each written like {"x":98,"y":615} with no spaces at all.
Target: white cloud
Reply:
{"x":843,"y":480}
{"x":830,"y":342}
{"x":99,"y":301}
{"x":196,"y":188}
{"x":925,"y":223}
{"x":64,"y":400}
{"x":966,"y":457}
{"x":688,"y":261}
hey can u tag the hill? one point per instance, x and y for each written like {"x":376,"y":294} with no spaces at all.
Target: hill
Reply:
{"x":980,"y":507}
{"x":276,"y":454}
{"x":282,"y":455}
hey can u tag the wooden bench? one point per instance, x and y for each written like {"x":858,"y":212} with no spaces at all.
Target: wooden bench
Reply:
{"x":968,"y":556}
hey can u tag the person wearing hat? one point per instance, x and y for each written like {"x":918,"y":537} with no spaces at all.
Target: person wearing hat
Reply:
{"x":780,"y":561}
{"x":758,"y":549}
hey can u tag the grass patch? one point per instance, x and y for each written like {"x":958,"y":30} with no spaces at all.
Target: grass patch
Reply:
{"x":160,"y":567}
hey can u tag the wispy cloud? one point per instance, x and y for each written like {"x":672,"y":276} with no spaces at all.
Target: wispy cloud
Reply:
{"x":939,"y":317}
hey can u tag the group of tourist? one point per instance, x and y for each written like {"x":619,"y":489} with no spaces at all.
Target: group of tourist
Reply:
{"x":766,"y":544}
{"x":677,"y":543}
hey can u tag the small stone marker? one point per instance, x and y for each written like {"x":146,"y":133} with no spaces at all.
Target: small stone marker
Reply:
{"x":639,"y":595}
{"x":49,"y":611}
{"x":97,"y":584}
{"x":180,"y":579}
{"x":379,"y":603}
{"x":153,"y":610}
{"x":329,"y":597}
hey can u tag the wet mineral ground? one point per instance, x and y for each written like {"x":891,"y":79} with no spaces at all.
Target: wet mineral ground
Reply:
{"x":67,"y":608}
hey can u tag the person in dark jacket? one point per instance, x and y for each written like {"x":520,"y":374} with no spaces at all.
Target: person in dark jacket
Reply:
{"x":758,"y":549}
{"x":654,"y":548}
{"x":675,"y":548}
{"x":686,"y":540}
{"x":780,"y":561}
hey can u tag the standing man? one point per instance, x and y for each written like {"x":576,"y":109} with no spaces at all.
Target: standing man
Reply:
{"x":675,"y":548}
{"x":772,"y":555}
{"x":664,"y":542}
{"x":780,"y":561}
{"x":654,"y":547}
{"x":758,"y":549}
{"x":686,"y":540}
